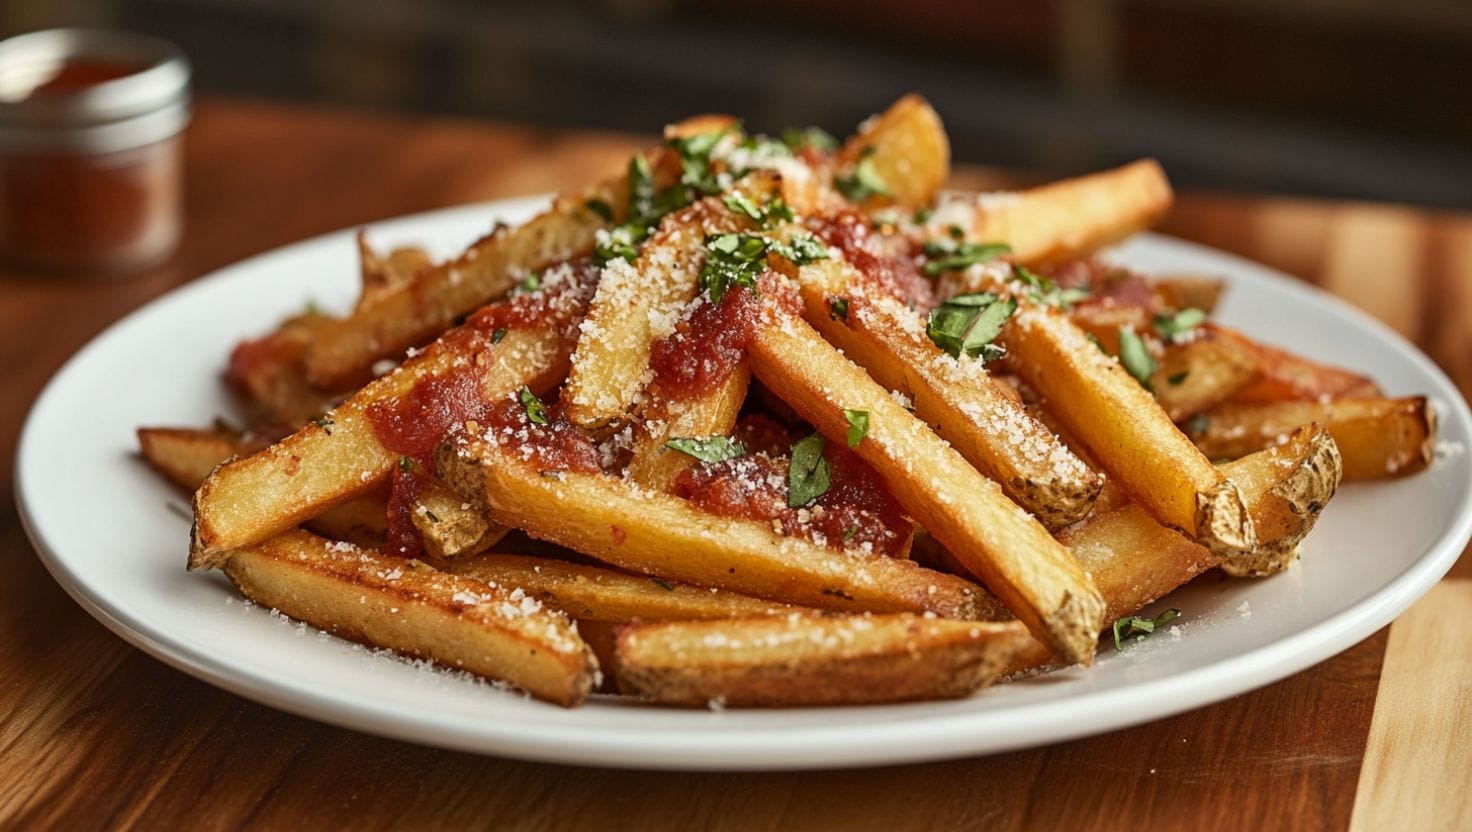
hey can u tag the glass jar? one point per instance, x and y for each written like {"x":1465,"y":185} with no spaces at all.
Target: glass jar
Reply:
{"x":90,"y":125}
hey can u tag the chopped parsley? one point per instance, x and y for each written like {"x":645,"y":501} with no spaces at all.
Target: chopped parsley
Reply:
{"x":848,"y":533}
{"x":1043,"y":290}
{"x":763,"y":215}
{"x":498,"y":335}
{"x":406,"y":464}
{"x":530,"y":283}
{"x":666,"y":585}
{"x":1176,"y":378}
{"x":710,"y":449}
{"x":838,"y":309}
{"x":863,"y":181}
{"x":695,"y":167}
{"x":858,"y":426}
{"x":1134,"y":627}
{"x":951,"y":256}
{"x":922,"y":216}
{"x":622,"y":243}
{"x":967,"y":325}
{"x":601,"y":208}
{"x":802,"y":249}
{"x":536,"y":412}
{"x":809,"y":475}
{"x":1171,"y":327}
{"x":324,"y":423}
{"x":1135,"y":357}
{"x":732,"y":260}
{"x":798,"y":138}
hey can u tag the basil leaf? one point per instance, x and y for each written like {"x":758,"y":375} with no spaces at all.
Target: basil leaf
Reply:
{"x":710,"y":449}
{"x":863,"y":181}
{"x":858,"y":426}
{"x":1172,"y":326}
{"x":742,"y":204}
{"x":797,"y":138}
{"x":498,"y":335}
{"x":802,"y":249}
{"x":922,"y":215}
{"x":732,"y":260}
{"x":641,"y":190}
{"x":601,"y":208}
{"x":1176,"y":378}
{"x":809,"y":475}
{"x":967,"y":325}
{"x":1045,"y":291}
{"x":530,"y":283}
{"x":536,"y":412}
{"x":964,"y":255}
{"x":1136,"y":357}
{"x":838,"y":309}
{"x":1136,"y":628}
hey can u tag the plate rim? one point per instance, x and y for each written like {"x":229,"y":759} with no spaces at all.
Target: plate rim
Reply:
{"x":926,"y":737}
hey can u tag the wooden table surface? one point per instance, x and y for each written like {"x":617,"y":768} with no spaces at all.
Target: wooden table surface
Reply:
{"x":94,"y":733}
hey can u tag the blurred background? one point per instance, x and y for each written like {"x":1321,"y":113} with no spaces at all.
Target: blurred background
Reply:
{"x":1345,"y":98}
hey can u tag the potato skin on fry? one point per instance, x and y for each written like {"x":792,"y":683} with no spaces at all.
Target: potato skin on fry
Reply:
{"x":409,"y":607}
{"x":801,"y":660}
{"x":1285,"y":487}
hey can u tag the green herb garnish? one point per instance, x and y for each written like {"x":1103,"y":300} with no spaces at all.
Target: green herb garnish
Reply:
{"x":498,"y":335}
{"x":1172,"y":326}
{"x":838,"y":309}
{"x":864,"y":181}
{"x":601,"y":208}
{"x":324,"y":423}
{"x":797,"y":138}
{"x":536,"y":412}
{"x":530,"y":283}
{"x":732,"y":260}
{"x":1043,"y":290}
{"x":967,"y":325}
{"x":802,"y":249}
{"x":406,"y":464}
{"x":1136,"y":627}
{"x":710,"y":449}
{"x":666,"y":585}
{"x":848,"y":533}
{"x":958,"y":256}
{"x":1176,"y":378}
{"x":922,"y":216}
{"x":809,"y":475}
{"x":858,"y":426}
{"x":1136,"y":357}
{"x":764,"y":215}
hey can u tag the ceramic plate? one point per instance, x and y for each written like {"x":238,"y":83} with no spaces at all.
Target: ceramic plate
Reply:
{"x":112,"y":534}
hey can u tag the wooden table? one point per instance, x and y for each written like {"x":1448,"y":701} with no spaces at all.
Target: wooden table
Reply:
{"x":95,"y":733}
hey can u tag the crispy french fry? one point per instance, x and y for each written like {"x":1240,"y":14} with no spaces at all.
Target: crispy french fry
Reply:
{"x":382,"y":274}
{"x":185,"y":456}
{"x":907,"y":148}
{"x":810,"y":660}
{"x":1135,"y":560}
{"x":361,"y":521}
{"x":1202,"y":373}
{"x":591,"y":593}
{"x":639,"y":303}
{"x":977,"y":414}
{"x":1376,"y":437}
{"x":1063,"y":220}
{"x":409,"y":607}
{"x":341,"y":456}
{"x":1125,"y":430}
{"x":269,"y":372}
{"x":664,"y":417}
{"x":999,"y":543}
{"x":658,"y":534}
{"x":1190,"y":291}
{"x":1283,"y":376}
{"x":452,"y":528}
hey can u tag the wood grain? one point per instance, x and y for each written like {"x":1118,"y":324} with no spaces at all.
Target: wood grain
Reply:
{"x":94,"y":734}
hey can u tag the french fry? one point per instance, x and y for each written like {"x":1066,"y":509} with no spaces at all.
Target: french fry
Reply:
{"x":452,"y":528}
{"x":663,"y":417}
{"x":1135,"y":560}
{"x":409,"y":607}
{"x":1184,"y":291}
{"x":637,"y":304}
{"x":1202,"y":373}
{"x":1283,"y":376}
{"x":361,"y":521}
{"x":907,"y":148}
{"x":1064,"y":220}
{"x":1377,"y":438}
{"x":809,"y":660}
{"x":1000,"y":543}
{"x":270,"y":374}
{"x":658,"y":534}
{"x":975,"y":413}
{"x":185,"y":456}
{"x":591,"y":593}
{"x":341,"y":456}
{"x":382,"y":274}
{"x":1125,"y":430}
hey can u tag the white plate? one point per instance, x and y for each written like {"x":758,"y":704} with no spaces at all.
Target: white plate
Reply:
{"x":104,"y":527}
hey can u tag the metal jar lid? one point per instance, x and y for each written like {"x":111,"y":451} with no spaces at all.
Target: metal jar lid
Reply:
{"x":130,"y":111}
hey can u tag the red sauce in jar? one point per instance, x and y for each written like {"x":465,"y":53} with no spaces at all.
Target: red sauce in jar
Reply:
{"x":856,"y":512}
{"x":81,"y":73}
{"x":890,"y":262}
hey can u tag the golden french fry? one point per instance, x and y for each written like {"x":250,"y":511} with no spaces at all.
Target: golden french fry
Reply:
{"x":1376,"y":437}
{"x":1125,"y":430}
{"x":1063,"y":220}
{"x":269,"y":372}
{"x":977,"y":414}
{"x":409,"y":607}
{"x":812,"y":660}
{"x":591,"y":593}
{"x":1285,"y":488}
{"x":906,"y":147}
{"x":1202,"y":373}
{"x":654,"y":533}
{"x":342,"y":455}
{"x":185,"y":456}
{"x":665,"y":416}
{"x":451,"y":527}
{"x":1283,"y":376}
{"x":1000,"y":543}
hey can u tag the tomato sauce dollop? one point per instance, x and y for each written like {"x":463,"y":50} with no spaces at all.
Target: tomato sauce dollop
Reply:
{"x":892,"y":263}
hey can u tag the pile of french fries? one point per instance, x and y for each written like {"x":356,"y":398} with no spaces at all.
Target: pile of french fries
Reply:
{"x":763,"y":422}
